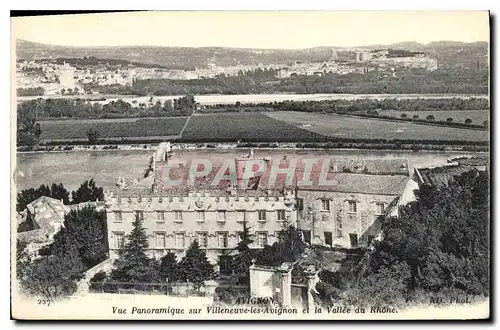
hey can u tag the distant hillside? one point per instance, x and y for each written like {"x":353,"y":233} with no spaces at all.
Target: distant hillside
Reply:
{"x":449,"y":54}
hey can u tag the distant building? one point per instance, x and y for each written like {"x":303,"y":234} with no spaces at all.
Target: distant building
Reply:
{"x":45,"y":216}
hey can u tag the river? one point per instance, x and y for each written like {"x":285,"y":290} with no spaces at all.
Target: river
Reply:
{"x":256,"y":98}
{"x":72,"y":168}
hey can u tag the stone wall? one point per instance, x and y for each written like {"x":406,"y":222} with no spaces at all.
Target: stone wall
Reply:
{"x":338,"y":220}
{"x":200,"y":213}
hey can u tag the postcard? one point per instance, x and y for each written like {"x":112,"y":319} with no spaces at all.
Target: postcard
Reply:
{"x":215,"y":165}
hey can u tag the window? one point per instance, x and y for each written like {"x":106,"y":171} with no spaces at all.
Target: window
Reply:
{"x":180,"y":240}
{"x":307,"y":236}
{"x":328,"y":238}
{"x":300,"y":204}
{"x":262,"y":215}
{"x":119,"y":238}
{"x":117,"y":216}
{"x":203,"y":240}
{"x":160,"y":216}
{"x":354,"y":240}
{"x":160,"y":240}
{"x":338,"y":224}
{"x":240,"y":236}
{"x":178,"y":216}
{"x":222,"y":239}
{"x":200,"y":216}
{"x":380,"y":208}
{"x":241,"y":216}
{"x":353,"y":207}
{"x":261,"y":239}
{"x":140,"y":215}
{"x":221,"y":216}
{"x":281,"y":215}
{"x":225,"y":265}
{"x":325,"y":205}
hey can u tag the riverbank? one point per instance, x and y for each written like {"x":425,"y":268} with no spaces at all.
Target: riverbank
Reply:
{"x":259,"y":146}
{"x":210,"y":99}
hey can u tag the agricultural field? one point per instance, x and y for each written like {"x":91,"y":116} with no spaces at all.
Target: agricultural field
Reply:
{"x":255,"y":127}
{"x":111,"y":128}
{"x":366,"y":128}
{"x":459,"y":116}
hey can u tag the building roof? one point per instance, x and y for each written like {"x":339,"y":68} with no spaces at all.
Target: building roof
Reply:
{"x":440,"y":176}
{"x":33,"y":236}
{"x":361,"y":183}
{"x":376,"y":184}
{"x":98,"y":205}
{"x":470,"y":161}
{"x":46,"y":211}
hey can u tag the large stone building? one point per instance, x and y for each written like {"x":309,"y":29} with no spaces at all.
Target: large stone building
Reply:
{"x":342,"y":214}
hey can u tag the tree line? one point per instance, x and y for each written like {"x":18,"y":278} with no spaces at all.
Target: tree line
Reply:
{"x":29,"y":113}
{"x":88,"y":191}
{"x":133,"y":266}
{"x":358,"y":105}
{"x":415,"y":81}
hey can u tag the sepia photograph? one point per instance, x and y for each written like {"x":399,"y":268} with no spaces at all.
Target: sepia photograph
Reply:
{"x":250,"y":165}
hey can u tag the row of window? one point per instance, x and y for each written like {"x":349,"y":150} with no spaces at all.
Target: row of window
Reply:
{"x":262,"y":214}
{"x":200,"y":215}
{"x":160,"y":239}
{"x":328,"y":238}
{"x":352,"y":206}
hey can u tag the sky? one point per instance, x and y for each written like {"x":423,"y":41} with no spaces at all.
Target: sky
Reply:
{"x":251,"y":29}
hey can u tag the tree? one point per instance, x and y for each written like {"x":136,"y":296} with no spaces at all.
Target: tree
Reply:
{"x":27,"y":196}
{"x":28,"y":129}
{"x":58,"y":191}
{"x":55,"y":275}
{"x":449,"y":119}
{"x":133,"y":265}
{"x":86,"y":229}
{"x":468,"y":121}
{"x":93,"y":135}
{"x":169,"y":267}
{"x":185,"y":105}
{"x":195,"y":267}
{"x":241,"y":262}
{"x":88,"y":191}
{"x":485,"y":123}
{"x":288,"y":248}
{"x":404,"y":115}
{"x":22,"y":258}
{"x":415,"y":116}
{"x":430,"y":117}
{"x":438,"y":242}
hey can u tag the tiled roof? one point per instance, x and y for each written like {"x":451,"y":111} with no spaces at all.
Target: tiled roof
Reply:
{"x":440,"y":176}
{"x":46,"y":211}
{"x":33,"y":236}
{"x":338,"y":181}
{"x":471,"y":161}
{"x":79,"y":206}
